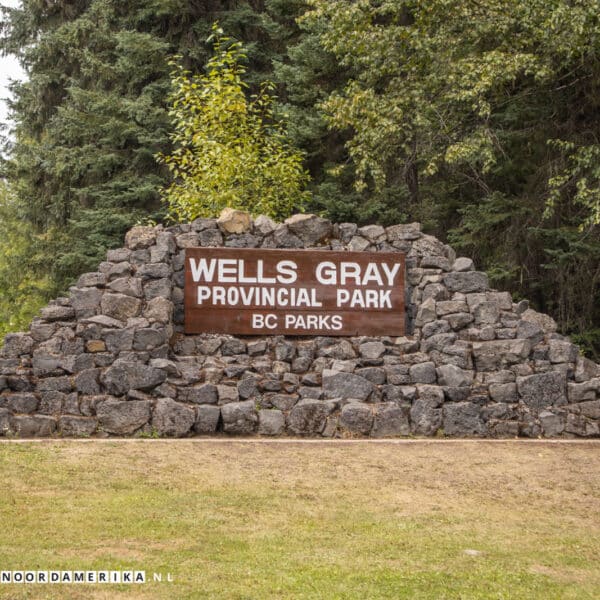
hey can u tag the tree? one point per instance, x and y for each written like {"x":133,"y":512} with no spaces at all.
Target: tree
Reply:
{"x":228,"y":149}
{"x":487,"y":115}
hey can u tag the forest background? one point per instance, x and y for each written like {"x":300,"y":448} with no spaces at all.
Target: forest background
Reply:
{"x":479,"y":119}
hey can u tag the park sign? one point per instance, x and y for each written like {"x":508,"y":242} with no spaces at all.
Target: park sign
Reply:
{"x":293,"y":292}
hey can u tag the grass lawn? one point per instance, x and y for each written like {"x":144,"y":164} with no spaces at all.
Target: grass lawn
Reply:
{"x":243,"y":520}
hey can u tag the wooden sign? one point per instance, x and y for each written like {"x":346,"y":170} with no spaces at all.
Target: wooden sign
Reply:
{"x":293,"y":292}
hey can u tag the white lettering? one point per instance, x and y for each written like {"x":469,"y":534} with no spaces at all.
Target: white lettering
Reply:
{"x":202,"y":269}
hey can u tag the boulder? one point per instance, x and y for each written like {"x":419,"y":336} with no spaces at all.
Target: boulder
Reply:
{"x":207,"y":418}
{"x":70,"y":426}
{"x":463,"y":264}
{"x":172,"y":419}
{"x":390,"y":420}
{"x":122,"y":417}
{"x":120,"y":306}
{"x":309,"y":417}
{"x":356,"y":417}
{"x":33,"y":426}
{"x":16,"y":344}
{"x":346,"y":385}
{"x":542,"y":390}
{"x":204,"y":393}
{"x":125,"y":375}
{"x":426,"y":411}
{"x":462,"y":419}
{"x":466,"y":282}
{"x":140,"y":237}
{"x":270,"y":422}
{"x":311,"y":229}
{"x":453,"y":376}
{"x":239,"y":417}
{"x":498,"y":354}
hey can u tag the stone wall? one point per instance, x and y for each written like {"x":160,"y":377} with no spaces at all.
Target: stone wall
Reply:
{"x":111,"y":359}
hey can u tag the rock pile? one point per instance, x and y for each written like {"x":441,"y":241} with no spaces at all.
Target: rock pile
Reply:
{"x":112,"y":359}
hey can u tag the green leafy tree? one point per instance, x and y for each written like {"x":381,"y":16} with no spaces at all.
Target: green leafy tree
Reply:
{"x":229,"y":151}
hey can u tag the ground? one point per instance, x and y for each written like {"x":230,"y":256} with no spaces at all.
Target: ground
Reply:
{"x":240,"y":520}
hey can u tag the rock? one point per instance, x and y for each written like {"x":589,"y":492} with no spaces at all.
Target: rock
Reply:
{"x":247,"y":387}
{"x":545,"y":322}
{"x":5,"y":416}
{"x":207,"y":419}
{"x":148,"y":338}
{"x":586,"y":369}
{"x":342,"y":351}
{"x":466,"y":282}
{"x":120,"y":306}
{"x":390,"y":420}
{"x":91,"y":280}
{"x":20,"y":402}
{"x":210,"y":238}
{"x":85,"y":301}
{"x":542,"y":390}
{"x":372,"y":350}
{"x":234,"y":221}
{"x":552,"y":424}
{"x":256,"y":348}
{"x":264,"y":225}
{"x":373,"y":233}
{"x":497,"y":354}
{"x":204,"y":393}
{"x":16,"y":344}
{"x":311,"y":229}
{"x":94,"y":346}
{"x":404,"y":232}
{"x":451,"y":306}
{"x":578,"y":392}
{"x":140,"y":237}
{"x":270,"y":422}
{"x":504,"y":392}
{"x":227,"y":394}
{"x":397,"y":374}
{"x":87,"y":382}
{"x":375,"y":375}
{"x":463,"y":264}
{"x":125,"y":375}
{"x":239,"y":417}
{"x":346,"y":385}
{"x":560,"y":351}
{"x":423,"y":373}
{"x":309,"y":416}
{"x":286,"y":401}
{"x":453,"y":376}
{"x":463,"y":419}
{"x":358,"y":244}
{"x":130,"y":286}
{"x":459,"y":320}
{"x":172,"y":419}
{"x":356,"y":417}
{"x":232,"y":347}
{"x":58,"y":313}
{"x":591,"y":410}
{"x":284,"y":238}
{"x":187,"y":240}
{"x":118,"y":340}
{"x":486,"y":313}
{"x":426,"y":412}
{"x":70,"y":426}
{"x":122,"y":417}
{"x":426,"y":312}
{"x":33,"y":426}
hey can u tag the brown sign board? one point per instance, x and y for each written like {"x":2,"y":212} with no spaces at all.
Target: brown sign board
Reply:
{"x":293,"y":292}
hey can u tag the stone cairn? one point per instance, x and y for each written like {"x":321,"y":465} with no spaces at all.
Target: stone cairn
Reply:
{"x":112,"y":359}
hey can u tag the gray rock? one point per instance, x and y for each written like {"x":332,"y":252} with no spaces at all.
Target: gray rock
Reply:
{"x":33,"y":426}
{"x":453,"y":376}
{"x":130,"y":286}
{"x":358,"y":244}
{"x":227,"y":394}
{"x":562,"y":351}
{"x":55,"y":384}
{"x":463,"y":264}
{"x":309,"y":417}
{"x":157,"y":288}
{"x":211,"y":238}
{"x":120,"y":306}
{"x":172,"y":419}
{"x":264,"y":225}
{"x":58,"y":313}
{"x":270,"y":422}
{"x":463,"y":419}
{"x":542,"y":390}
{"x":531,"y":331}
{"x":375,"y":375}
{"x":187,"y":240}
{"x":459,"y":320}
{"x":486,"y":313}
{"x":356,"y":417}
{"x":118,"y":340}
{"x":70,"y":426}
{"x":435,"y":327}
{"x":20,"y":402}
{"x":118,"y":255}
{"x":123,"y":376}
{"x":466,"y":282}
{"x":426,"y":411}
{"x":545,"y":322}
{"x":16,"y":344}
{"x":504,"y":392}
{"x":591,"y":409}
{"x":87,"y":382}
{"x":373,"y":233}
{"x":586,"y":369}
{"x":122,"y":417}
{"x":86,"y":300}
{"x":148,"y":338}
{"x":426,"y":312}
{"x":287,"y":401}
{"x":346,"y":385}
{"x":91,"y":280}
{"x":311,"y":229}
{"x":372,"y":350}
{"x":342,"y":351}
{"x":497,"y":354}
{"x":390,"y":420}
{"x":232,"y":347}
{"x":423,"y":373}
{"x":5,"y":416}
{"x":404,"y":232}
{"x":207,"y":419}
{"x":204,"y":393}
{"x":239,"y":417}
{"x":397,"y":374}
{"x":451,"y":306}
{"x":283,"y":238}
{"x":579,"y":392}
{"x":552,"y":423}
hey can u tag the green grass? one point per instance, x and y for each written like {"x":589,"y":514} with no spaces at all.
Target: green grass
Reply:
{"x":305,"y":521}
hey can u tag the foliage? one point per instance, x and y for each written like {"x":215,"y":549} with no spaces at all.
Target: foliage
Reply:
{"x":21,"y":293}
{"x":228,"y":149}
